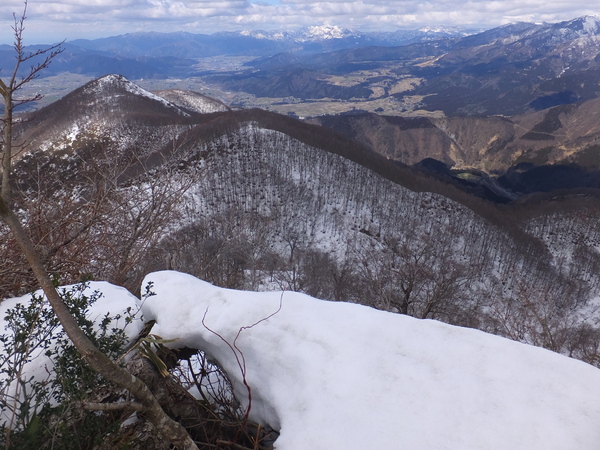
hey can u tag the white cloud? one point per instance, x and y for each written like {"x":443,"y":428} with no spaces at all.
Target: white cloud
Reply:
{"x":55,"y":20}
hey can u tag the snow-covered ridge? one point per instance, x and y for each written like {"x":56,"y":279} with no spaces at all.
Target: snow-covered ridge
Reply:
{"x":119,"y":81}
{"x":192,"y":101}
{"x":312,"y":33}
{"x":271,"y":35}
{"x":441,"y":29}
{"x":590,"y":25}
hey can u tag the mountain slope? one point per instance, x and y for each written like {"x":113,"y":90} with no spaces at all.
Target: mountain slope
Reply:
{"x":539,"y":152}
{"x":298,"y":83}
{"x":533,"y":67}
{"x":256,"y":200}
{"x":110,"y":111}
{"x":508,"y":70}
{"x":192,"y":101}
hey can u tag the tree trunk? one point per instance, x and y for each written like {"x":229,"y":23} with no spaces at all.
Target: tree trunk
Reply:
{"x":101,"y":363}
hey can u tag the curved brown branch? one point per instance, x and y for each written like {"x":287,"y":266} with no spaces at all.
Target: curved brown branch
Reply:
{"x":101,"y":363}
{"x":237,"y":352}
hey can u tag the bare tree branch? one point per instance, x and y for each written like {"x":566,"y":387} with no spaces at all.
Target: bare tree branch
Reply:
{"x":10,"y":87}
{"x":92,"y":406}
{"x":101,"y":363}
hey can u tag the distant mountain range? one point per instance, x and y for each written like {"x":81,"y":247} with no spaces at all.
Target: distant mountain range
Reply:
{"x":309,"y":40}
{"x":162,"y":54}
{"x":509,"y":70}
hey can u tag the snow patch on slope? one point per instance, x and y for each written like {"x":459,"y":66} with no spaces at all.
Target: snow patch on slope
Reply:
{"x":192,"y":101}
{"x":591,"y":24}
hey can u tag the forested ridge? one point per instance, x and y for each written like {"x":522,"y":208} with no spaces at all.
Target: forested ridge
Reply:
{"x":174,"y":239}
{"x":254,"y":200}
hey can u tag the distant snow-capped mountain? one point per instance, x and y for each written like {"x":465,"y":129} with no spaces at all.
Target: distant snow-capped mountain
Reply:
{"x":331,"y":32}
{"x":327,"y":32}
{"x":582,"y":26}
{"x":313,"y":33}
{"x":445,"y":30}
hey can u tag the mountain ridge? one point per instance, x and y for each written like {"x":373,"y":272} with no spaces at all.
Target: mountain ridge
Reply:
{"x":510,"y":70}
{"x":320,"y":38}
{"x":254,"y":199}
{"x":513,"y":149}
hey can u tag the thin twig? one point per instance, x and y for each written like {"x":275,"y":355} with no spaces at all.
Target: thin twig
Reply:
{"x":239,"y":354}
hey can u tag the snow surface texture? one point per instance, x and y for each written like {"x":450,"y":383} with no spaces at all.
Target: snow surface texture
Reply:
{"x":344,"y":376}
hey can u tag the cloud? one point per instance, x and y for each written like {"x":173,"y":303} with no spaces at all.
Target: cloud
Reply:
{"x":51,"y":20}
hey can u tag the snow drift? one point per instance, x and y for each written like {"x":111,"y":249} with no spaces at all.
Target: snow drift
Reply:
{"x":344,"y":376}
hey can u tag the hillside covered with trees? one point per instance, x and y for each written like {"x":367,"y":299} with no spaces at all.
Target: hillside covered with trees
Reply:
{"x":113,"y":182}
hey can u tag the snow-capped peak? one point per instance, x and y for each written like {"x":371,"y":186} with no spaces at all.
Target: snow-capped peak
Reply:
{"x":586,"y":25}
{"x":441,"y":29}
{"x":271,"y":35}
{"x":327,"y":32}
{"x":118,"y":81}
{"x":312,"y":33}
{"x":591,"y":24}
{"x":255,"y":34}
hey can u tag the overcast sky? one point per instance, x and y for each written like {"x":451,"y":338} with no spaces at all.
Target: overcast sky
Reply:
{"x":55,"y":20}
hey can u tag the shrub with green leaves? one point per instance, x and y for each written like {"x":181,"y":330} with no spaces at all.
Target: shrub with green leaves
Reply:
{"x":43,"y":379}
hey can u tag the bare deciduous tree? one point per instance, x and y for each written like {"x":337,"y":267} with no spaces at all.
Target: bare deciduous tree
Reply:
{"x":9,"y":86}
{"x":417,"y":275}
{"x":96,"y":359}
